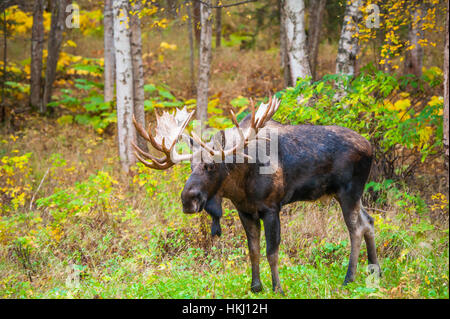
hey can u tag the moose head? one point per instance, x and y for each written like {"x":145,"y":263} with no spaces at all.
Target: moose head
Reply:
{"x":208,"y":160}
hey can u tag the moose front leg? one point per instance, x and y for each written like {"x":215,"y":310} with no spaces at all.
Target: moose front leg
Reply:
{"x":271,"y":219}
{"x":252,"y":227}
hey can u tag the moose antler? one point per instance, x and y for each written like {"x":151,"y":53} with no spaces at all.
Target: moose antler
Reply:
{"x":257,"y":121}
{"x":168,"y":129}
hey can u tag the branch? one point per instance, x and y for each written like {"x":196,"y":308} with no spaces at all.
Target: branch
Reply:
{"x":225,"y":5}
{"x":39,"y":187}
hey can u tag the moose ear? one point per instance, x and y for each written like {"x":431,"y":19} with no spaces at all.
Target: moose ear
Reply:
{"x":219,"y":138}
{"x":214,"y":208}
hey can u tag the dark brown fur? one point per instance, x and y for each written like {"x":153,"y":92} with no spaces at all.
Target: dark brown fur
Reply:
{"x":314,"y":161}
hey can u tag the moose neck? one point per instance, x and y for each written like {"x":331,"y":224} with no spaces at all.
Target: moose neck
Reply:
{"x":233,"y":186}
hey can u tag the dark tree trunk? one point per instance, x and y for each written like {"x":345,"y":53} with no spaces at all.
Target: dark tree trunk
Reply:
{"x":109,"y":53}
{"x":446,"y":123}
{"x":197,"y":23}
{"x":54,"y":45}
{"x":191,"y":49}
{"x":283,"y":47}
{"x":5,"y":61}
{"x":414,"y":57}
{"x":315,"y":22}
{"x":37,"y":46}
{"x":218,"y":25}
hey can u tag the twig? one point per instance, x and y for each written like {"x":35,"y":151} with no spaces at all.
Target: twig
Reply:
{"x":37,"y":190}
{"x":225,"y":5}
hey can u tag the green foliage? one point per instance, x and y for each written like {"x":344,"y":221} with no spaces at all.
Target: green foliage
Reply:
{"x":160,"y":96}
{"x":379,"y":106}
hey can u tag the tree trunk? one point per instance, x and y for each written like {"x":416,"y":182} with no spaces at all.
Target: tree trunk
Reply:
{"x":283,"y":49}
{"x":55,"y":39}
{"x":414,"y":57}
{"x":205,"y":61}
{"x":5,"y":62}
{"x":124,"y":84}
{"x":138,"y":72}
{"x":191,"y":49}
{"x":37,"y":47}
{"x":196,"y":18}
{"x":218,"y":25}
{"x":446,"y":127}
{"x":315,"y":23}
{"x":348,"y":43}
{"x":294,"y":11}
{"x":109,"y":53}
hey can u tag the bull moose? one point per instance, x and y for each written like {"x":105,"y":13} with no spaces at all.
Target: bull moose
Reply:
{"x":312,"y":161}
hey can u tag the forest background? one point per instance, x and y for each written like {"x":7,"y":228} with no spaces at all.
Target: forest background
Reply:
{"x":79,"y":218}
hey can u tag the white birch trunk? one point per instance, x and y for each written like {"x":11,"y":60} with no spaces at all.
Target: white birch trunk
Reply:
{"x":124,"y":84}
{"x":108,"y":22}
{"x":205,"y":61}
{"x":294,"y":13}
{"x":138,"y":72}
{"x":348,"y":43}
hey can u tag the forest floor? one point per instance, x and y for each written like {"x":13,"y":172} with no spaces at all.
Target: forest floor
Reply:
{"x":86,"y":230}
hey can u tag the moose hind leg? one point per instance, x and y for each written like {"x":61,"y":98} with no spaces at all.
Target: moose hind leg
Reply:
{"x":272,"y":230}
{"x":252,"y":227}
{"x":369,"y":237}
{"x":355,"y":226}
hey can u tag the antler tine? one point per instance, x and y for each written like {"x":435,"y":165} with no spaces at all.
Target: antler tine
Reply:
{"x":202,"y":144}
{"x":140,"y":129}
{"x":148,"y":155}
{"x":262,"y":120}
{"x":154,"y":165}
{"x":146,"y":135}
{"x":252,"y":105}
{"x":235,"y":122}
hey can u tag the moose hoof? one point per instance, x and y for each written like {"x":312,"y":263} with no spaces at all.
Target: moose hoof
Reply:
{"x":256,"y":288}
{"x":279,"y":290}
{"x":346,"y":281}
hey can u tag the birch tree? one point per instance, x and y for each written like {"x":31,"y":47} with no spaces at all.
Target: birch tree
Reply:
{"x":414,"y":57}
{"x":55,"y":39}
{"x":108,"y":22}
{"x":124,"y":84}
{"x":348,"y":43}
{"x":138,"y":70}
{"x":315,"y":23}
{"x":205,"y":60}
{"x":37,"y":47}
{"x":294,"y":12}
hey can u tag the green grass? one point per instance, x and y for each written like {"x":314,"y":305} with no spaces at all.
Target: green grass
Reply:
{"x":128,"y":238}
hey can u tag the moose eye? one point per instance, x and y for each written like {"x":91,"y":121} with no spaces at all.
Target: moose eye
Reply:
{"x":209,"y":167}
